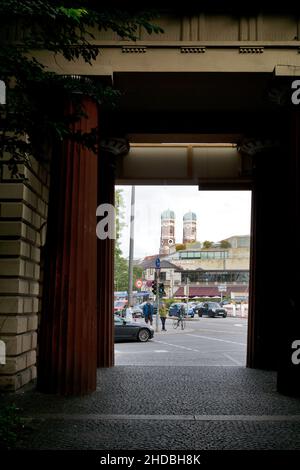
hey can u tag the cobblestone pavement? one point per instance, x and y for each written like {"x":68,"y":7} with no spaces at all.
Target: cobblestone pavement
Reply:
{"x":165,"y":408}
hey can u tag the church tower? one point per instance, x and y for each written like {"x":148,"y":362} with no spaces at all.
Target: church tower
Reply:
{"x":189,"y":227}
{"x":167,"y":237}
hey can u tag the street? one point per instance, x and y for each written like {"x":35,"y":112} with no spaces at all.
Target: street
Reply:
{"x":203,"y":342}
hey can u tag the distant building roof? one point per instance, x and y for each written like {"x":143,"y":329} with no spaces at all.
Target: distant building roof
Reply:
{"x":168,"y":214}
{"x":190,"y":216}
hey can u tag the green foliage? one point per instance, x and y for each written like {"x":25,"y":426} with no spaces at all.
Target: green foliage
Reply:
{"x":121,"y":264}
{"x":180,"y":246}
{"x":225,"y":244}
{"x":207,"y":244}
{"x":11,"y":425}
{"x":137,"y":274}
{"x":34,"y":117}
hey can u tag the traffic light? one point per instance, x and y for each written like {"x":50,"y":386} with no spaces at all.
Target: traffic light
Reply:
{"x":154,"y":287}
{"x":161,"y":289}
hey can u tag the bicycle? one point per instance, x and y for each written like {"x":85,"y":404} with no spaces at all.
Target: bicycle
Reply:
{"x":179,"y":321}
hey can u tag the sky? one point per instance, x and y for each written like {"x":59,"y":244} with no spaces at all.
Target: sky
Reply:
{"x":220,"y":214}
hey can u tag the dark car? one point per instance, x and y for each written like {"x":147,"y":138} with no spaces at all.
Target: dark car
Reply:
{"x":211,"y":309}
{"x":131,"y":331}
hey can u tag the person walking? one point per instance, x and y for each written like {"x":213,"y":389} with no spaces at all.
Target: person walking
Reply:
{"x":163,"y":316}
{"x":148,"y":312}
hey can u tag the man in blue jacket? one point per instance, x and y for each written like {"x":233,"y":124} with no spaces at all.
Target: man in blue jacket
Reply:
{"x":148,"y":312}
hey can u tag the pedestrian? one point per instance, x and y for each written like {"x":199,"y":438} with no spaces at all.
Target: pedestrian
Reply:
{"x":163,"y":316}
{"x":148,"y":312}
{"x":128,"y":314}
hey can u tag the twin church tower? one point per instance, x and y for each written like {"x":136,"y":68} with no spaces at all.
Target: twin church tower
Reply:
{"x":167,"y":237}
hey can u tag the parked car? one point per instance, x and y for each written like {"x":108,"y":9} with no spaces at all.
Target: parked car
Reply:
{"x":211,"y":309}
{"x":119,"y":305}
{"x":225,"y":302}
{"x":137,"y":312}
{"x":188,"y":309}
{"x":131,"y":331}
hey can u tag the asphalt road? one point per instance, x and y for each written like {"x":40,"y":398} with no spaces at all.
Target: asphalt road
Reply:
{"x":204,"y":342}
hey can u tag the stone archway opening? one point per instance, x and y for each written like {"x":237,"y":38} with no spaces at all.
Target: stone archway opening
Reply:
{"x":205,"y":166}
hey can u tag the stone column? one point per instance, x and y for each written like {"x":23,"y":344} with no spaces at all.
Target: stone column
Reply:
{"x":288,"y":381}
{"x":110,"y":150}
{"x":265,"y":314}
{"x":67,"y":341}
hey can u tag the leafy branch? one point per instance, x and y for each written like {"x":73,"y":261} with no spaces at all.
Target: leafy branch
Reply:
{"x":32,"y":118}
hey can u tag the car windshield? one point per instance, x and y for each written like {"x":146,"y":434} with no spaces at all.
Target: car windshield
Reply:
{"x":214,"y":305}
{"x":119,"y":303}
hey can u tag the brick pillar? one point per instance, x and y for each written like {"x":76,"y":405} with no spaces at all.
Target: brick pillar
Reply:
{"x":288,"y":381}
{"x":23,"y":213}
{"x":110,"y":150}
{"x":67,"y":343}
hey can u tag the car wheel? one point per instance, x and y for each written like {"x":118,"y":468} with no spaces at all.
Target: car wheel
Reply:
{"x":224,"y":315}
{"x":143,"y":335}
{"x":199,"y":314}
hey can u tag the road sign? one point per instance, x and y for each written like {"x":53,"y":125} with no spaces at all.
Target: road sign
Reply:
{"x":222,"y":288}
{"x":138,"y":283}
{"x":157,"y":263}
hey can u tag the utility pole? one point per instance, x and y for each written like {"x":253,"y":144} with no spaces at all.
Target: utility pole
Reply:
{"x":157,"y":300}
{"x":131,"y":247}
{"x":157,"y":272}
{"x":187,"y":293}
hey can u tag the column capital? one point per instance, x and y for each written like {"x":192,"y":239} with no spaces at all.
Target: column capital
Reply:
{"x":254,"y":146}
{"x":116,"y":146}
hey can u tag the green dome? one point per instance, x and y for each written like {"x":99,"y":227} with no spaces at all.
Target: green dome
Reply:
{"x":190,"y":216}
{"x":168,"y":214}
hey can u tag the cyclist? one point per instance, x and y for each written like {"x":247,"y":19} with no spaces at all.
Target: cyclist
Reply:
{"x":181,"y":315}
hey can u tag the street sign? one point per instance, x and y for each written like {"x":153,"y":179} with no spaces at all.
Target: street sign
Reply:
{"x":138,"y":283}
{"x":222,"y":288}
{"x":157,"y":263}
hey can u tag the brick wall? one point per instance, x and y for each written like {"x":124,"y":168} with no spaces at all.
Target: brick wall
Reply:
{"x":23,"y":212}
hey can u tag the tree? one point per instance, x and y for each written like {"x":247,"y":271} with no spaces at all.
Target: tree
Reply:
{"x":32,"y":115}
{"x":121,"y":264}
{"x":225,"y":244}
{"x":180,"y":246}
{"x":207,"y":244}
{"x":137,"y":273}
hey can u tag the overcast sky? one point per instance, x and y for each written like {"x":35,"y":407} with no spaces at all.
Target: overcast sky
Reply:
{"x":220,"y":214}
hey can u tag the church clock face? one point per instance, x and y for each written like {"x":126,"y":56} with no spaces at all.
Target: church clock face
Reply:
{"x":170,"y":241}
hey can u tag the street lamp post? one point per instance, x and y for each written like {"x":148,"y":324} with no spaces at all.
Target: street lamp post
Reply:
{"x":157,"y":300}
{"x":187,"y":292}
{"x":131,"y":248}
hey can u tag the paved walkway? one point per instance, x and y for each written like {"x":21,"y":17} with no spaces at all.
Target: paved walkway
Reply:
{"x":169,"y":408}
